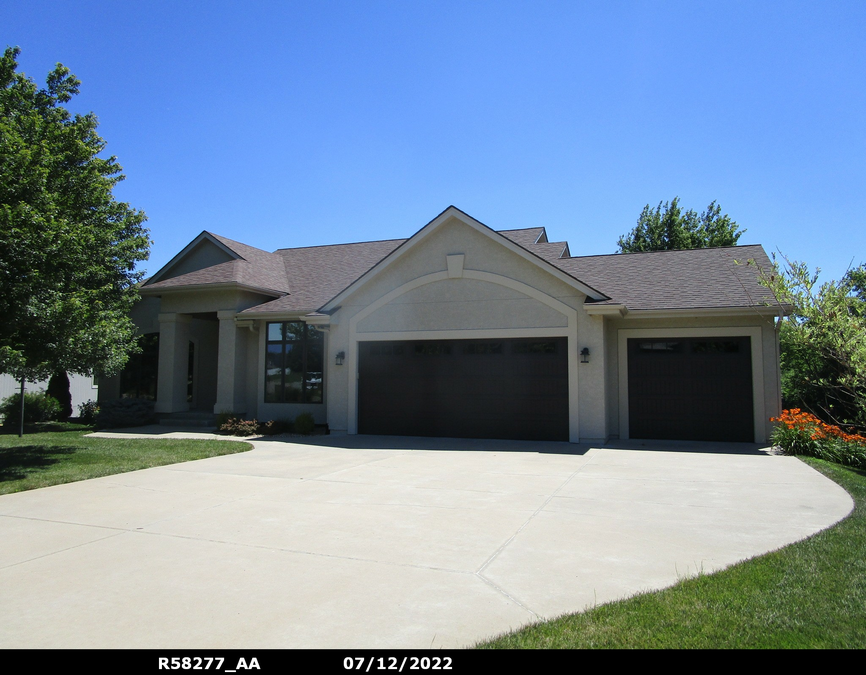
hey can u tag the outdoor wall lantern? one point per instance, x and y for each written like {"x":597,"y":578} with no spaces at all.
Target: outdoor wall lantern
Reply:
{"x":584,"y":355}
{"x":340,"y":357}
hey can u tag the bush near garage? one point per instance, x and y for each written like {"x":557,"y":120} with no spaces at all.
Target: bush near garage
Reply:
{"x":87,"y":412}
{"x":304,"y":424}
{"x":275,"y":427}
{"x":801,"y":433}
{"x":236,"y":426}
{"x":125,"y":412}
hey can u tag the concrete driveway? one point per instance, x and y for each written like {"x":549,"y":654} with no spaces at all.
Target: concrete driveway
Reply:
{"x":385,"y":542}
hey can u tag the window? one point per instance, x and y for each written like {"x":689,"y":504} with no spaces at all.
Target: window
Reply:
{"x":138,"y":378}
{"x":293,"y":363}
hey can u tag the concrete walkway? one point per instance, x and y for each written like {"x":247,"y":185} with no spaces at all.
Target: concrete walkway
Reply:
{"x":385,"y":542}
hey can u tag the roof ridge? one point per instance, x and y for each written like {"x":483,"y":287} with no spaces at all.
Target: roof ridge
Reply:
{"x":347,"y":243}
{"x":223,"y":240}
{"x":672,"y":250}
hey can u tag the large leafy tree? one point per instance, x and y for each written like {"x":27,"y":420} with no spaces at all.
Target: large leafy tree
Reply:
{"x":668,"y":227}
{"x":823,"y":342}
{"x":68,"y":248}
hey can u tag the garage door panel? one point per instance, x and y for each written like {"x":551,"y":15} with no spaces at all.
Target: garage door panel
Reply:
{"x":690,"y":389}
{"x":465,"y":388}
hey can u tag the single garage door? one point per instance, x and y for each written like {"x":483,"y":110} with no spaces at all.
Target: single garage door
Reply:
{"x":514,"y":389}
{"x":697,"y":389}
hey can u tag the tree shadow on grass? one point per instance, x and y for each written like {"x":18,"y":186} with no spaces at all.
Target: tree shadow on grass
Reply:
{"x":19,"y":462}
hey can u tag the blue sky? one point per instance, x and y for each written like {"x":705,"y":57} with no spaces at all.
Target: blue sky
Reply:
{"x":300,"y":123}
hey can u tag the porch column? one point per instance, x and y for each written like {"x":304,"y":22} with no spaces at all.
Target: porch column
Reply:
{"x":173,"y":363}
{"x":231,"y":366}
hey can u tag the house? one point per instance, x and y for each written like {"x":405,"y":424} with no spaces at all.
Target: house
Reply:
{"x":464,"y":331}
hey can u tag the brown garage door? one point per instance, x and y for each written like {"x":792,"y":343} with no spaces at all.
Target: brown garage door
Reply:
{"x":514,"y":389}
{"x":697,"y":389}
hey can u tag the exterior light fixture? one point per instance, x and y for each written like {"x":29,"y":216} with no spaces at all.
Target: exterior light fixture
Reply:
{"x":340,"y":357}
{"x":584,"y":355}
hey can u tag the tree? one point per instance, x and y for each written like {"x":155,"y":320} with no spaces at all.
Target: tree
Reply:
{"x":68,"y":248}
{"x":667,"y":227}
{"x":823,"y":342}
{"x":58,"y":389}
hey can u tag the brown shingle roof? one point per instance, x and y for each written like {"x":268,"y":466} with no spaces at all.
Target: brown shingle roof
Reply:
{"x":255,"y":268}
{"x":306,"y":278}
{"x":550,"y":251}
{"x":525,"y":237}
{"x":690,"y":279}
{"x":317,"y":273}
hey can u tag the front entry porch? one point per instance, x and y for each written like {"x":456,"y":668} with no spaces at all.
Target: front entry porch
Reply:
{"x":202,"y":363}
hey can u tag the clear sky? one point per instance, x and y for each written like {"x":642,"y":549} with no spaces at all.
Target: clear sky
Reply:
{"x":299,"y":123}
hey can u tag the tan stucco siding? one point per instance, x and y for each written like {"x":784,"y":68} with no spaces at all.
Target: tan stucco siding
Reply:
{"x":453,"y":304}
{"x":193,"y":302}
{"x":591,"y":378}
{"x":480,"y":253}
{"x":205,"y":254}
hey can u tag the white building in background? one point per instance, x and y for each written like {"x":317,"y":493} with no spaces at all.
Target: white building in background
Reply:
{"x":83,"y":389}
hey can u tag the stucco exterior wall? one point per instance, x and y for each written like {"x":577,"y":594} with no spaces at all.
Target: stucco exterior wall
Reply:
{"x":594,"y":424}
{"x":205,"y":254}
{"x":480,"y":251}
{"x":461,"y":304}
{"x":196,"y":301}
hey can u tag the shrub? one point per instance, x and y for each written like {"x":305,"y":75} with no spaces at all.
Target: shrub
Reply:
{"x":823,"y":353}
{"x":235,"y":426}
{"x":125,"y":412}
{"x":38,"y":407}
{"x":304,"y":424}
{"x":87,"y":412}
{"x":274,"y":427}
{"x":801,"y":433}
{"x":58,"y":387}
{"x":224,"y":416}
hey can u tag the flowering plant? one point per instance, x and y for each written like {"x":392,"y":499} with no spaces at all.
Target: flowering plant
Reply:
{"x":800,"y":433}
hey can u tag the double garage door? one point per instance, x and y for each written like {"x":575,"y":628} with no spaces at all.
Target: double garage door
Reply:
{"x":697,"y":389}
{"x":515,"y":389}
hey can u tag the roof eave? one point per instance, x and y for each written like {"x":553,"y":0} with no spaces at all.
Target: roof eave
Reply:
{"x":605,"y":310}
{"x":277,"y":314}
{"x":218,"y":286}
{"x":760,"y":310}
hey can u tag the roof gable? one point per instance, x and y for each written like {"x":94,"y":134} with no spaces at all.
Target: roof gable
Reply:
{"x":452,"y":212}
{"x":206,"y":250}
{"x":211,"y":259}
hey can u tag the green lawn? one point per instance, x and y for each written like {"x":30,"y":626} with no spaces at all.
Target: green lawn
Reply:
{"x":43,"y":459}
{"x":811,"y":594}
